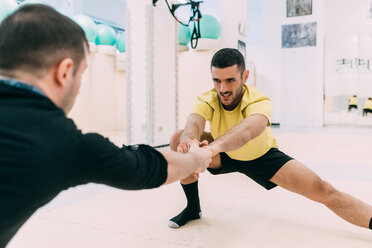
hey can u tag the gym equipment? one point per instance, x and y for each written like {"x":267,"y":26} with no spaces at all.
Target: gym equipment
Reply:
{"x":210,"y":27}
{"x":184,"y":35}
{"x":120,"y":43}
{"x":88,"y":25}
{"x":106,"y":35}
{"x":195,"y":18}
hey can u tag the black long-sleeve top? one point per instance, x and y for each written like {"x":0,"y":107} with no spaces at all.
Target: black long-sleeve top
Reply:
{"x":42,"y":153}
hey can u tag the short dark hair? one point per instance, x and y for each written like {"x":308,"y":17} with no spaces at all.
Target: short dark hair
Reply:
{"x":227,"y":57}
{"x":37,"y":37}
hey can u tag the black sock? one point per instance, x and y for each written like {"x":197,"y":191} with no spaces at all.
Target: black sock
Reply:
{"x":192,"y":210}
{"x":192,"y":195}
{"x":370,"y":224}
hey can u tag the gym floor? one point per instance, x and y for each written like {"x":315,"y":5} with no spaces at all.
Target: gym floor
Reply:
{"x":237,"y":213}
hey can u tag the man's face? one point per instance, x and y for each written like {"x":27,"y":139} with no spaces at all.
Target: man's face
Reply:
{"x":72,"y":90}
{"x":228,"y":83}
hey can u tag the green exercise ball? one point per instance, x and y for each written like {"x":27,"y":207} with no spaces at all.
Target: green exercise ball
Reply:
{"x":6,"y":8}
{"x":183,"y":35}
{"x":209,"y":27}
{"x":32,"y":2}
{"x":106,"y":35}
{"x":88,"y":25}
{"x":120,"y":43}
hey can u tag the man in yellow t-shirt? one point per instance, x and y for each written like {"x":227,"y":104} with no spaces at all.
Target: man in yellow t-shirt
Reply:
{"x":353,"y":102}
{"x":241,"y":141}
{"x":367,"y":108}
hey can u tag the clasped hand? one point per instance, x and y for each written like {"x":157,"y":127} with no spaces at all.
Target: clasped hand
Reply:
{"x":202,"y":150}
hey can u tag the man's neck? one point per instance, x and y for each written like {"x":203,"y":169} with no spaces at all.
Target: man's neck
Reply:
{"x":44,"y":82}
{"x":27,"y":78}
{"x":2,"y":76}
{"x":20,"y":76}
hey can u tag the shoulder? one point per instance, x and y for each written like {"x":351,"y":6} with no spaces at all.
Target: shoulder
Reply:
{"x":252,"y":95}
{"x":253,"y":92}
{"x":210,"y":97}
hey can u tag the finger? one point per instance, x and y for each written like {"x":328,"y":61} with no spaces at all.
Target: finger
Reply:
{"x":179,"y":148}
{"x":183,"y":148}
{"x":203,"y":143}
{"x":193,"y":146}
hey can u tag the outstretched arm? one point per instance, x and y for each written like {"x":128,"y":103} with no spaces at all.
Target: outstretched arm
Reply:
{"x":133,"y":167}
{"x":251,"y":127}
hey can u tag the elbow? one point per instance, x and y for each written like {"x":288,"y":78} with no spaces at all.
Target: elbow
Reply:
{"x":262,"y":124}
{"x":260,"y":127}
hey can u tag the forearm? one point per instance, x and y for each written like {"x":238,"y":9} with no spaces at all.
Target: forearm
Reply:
{"x":235,"y":138}
{"x":191,"y":131}
{"x":241,"y":134}
{"x":194,"y":128}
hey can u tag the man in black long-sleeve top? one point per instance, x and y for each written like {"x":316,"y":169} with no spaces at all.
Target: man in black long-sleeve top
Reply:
{"x":42,"y":58}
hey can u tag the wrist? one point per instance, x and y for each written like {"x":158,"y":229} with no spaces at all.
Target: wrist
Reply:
{"x":193,"y":160}
{"x":217,"y":147}
{"x":219,"y":144}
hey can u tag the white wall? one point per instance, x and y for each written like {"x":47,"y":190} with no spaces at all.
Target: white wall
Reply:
{"x":232,"y":13}
{"x":211,"y":7}
{"x":292,"y":77}
{"x":100,"y":105}
{"x":152,"y":73}
{"x":345,"y":17}
{"x":112,"y":11}
{"x":302,"y":75}
{"x":194,"y":79}
{"x":266,"y":51}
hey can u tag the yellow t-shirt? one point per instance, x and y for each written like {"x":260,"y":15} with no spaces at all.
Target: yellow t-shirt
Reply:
{"x":353,"y":100}
{"x":209,"y":106}
{"x":368,"y":104}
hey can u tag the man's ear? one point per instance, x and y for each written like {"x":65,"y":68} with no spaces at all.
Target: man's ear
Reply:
{"x":245,"y":75}
{"x":64,"y":71}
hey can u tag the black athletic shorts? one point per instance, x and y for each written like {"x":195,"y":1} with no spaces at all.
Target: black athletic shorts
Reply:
{"x":261,"y":170}
{"x":353,"y":106}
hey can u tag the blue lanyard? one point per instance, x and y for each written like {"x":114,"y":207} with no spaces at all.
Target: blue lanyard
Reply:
{"x":20,"y":85}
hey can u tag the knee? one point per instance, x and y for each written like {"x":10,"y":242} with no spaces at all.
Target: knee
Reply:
{"x":175,"y":140}
{"x":324,"y":192}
